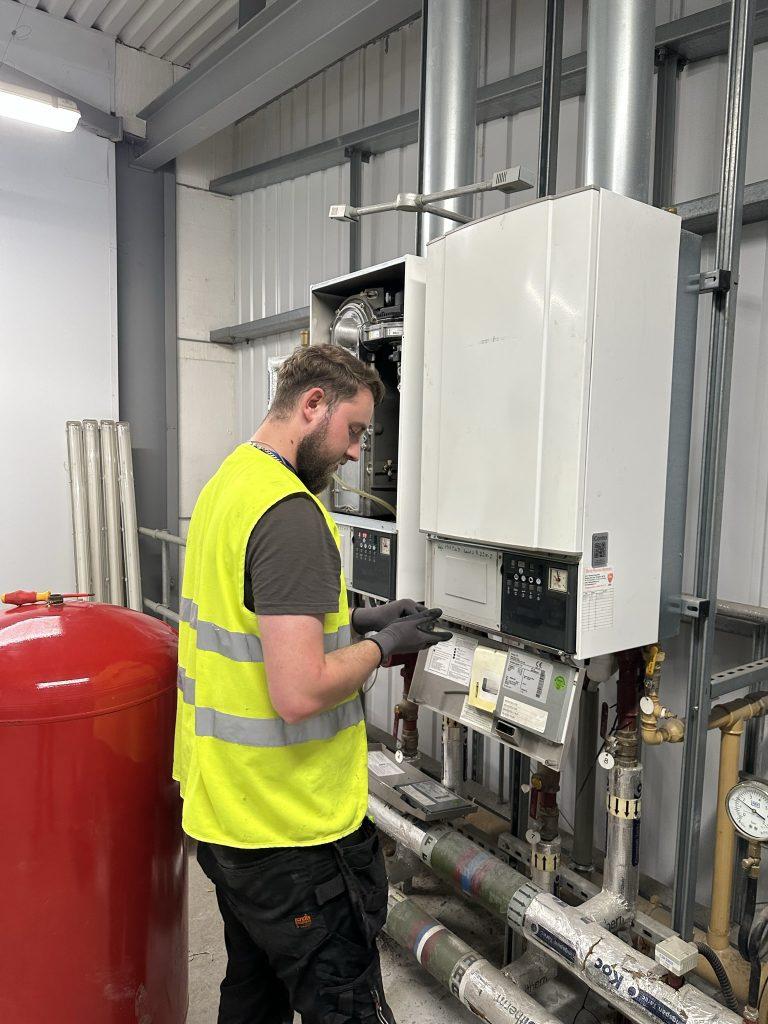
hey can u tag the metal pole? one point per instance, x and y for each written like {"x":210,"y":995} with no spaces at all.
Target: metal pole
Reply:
{"x":549,"y":129}
{"x":79,"y":493}
{"x":450,"y":94}
{"x":586,"y":767}
{"x":112,"y":511}
{"x":355,"y":199}
{"x":667,"y":68}
{"x":92,"y":443}
{"x":620,"y":48}
{"x":128,"y":510}
{"x":727,"y":248}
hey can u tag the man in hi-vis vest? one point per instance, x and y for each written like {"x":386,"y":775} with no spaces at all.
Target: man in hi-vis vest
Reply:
{"x":270,"y":744}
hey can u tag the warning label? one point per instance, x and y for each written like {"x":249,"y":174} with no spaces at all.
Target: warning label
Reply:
{"x":597,"y":598}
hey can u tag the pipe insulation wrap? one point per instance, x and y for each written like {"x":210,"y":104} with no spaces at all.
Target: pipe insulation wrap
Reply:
{"x":626,"y":979}
{"x":621,"y":871}
{"x":476,"y":983}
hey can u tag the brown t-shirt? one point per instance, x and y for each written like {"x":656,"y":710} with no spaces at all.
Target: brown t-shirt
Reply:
{"x":292,"y":564}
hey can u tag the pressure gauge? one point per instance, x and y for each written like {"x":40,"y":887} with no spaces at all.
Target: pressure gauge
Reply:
{"x":558,"y":580}
{"x":747,"y":806}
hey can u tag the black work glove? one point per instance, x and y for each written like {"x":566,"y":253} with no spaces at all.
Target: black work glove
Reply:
{"x":370,"y":620}
{"x":410,"y":633}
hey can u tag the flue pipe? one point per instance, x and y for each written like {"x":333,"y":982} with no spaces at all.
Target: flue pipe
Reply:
{"x":477,"y":984}
{"x":92,"y":443}
{"x":620,"y":53}
{"x":79,"y":493}
{"x":449,"y":98}
{"x":128,"y":514}
{"x":626,"y":979}
{"x":112,"y":511}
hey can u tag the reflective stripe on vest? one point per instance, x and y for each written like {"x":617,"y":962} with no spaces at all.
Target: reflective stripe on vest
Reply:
{"x":242,"y":646}
{"x":274,"y":732}
{"x":267,"y":732}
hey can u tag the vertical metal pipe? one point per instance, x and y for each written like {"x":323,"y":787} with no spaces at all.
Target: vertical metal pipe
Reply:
{"x":620,"y":49}
{"x":586,"y":766}
{"x":727,"y":249}
{"x":92,"y":446}
{"x":549,"y":124}
{"x":128,"y":511}
{"x":79,"y":492}
{"x":450,"y":94}
{"x":112,"y":511}
{"x":165,"y":580}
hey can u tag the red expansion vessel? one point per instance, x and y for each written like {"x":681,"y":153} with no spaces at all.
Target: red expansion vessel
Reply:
{"x":92,"y":870}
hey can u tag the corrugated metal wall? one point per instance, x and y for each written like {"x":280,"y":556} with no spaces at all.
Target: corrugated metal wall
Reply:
{"x":286,"y":241}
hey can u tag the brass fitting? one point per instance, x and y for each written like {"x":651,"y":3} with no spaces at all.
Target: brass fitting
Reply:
{"x":659,"y":724}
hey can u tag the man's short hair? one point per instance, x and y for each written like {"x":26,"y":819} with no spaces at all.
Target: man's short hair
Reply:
{"x":330,"y":367}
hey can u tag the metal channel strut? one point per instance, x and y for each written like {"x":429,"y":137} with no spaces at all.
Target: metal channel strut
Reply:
{"x":719,"y":368}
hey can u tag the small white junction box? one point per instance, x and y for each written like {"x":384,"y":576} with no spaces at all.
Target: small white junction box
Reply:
{"x":547,"y":382}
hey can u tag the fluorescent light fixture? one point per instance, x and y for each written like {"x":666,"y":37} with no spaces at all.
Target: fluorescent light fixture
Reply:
{"x":38,"y":108}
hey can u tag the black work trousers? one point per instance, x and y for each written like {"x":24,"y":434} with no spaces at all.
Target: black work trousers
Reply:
{"x":300,"y":926}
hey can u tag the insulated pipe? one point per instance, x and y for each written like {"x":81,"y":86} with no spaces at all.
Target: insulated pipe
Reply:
{"x":130,"y":523}
{"x":615,"y":907}
{"x":477,"y":984}
{"x":79,"y":492}
{"x":453,"y":756}
{"x":449,"y":99}
{"x":626,"y":979}
{"x":92,"y":444}
{"x":112,"y":511}
{"x":620,"y":54}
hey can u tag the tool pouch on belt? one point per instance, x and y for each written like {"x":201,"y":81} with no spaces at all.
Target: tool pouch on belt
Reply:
{"x":363,"y":874}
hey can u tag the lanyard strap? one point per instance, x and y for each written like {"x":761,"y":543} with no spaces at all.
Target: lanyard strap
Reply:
{"x":273,"y":454}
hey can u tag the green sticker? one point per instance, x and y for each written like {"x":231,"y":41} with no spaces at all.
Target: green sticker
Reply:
{"x":559,"y":682}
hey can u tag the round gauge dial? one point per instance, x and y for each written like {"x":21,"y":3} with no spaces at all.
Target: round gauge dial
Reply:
{"x":747,"y":806}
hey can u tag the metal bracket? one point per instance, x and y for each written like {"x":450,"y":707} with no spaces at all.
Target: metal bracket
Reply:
{"x":715,"y":281}
{"x":692,"y":608}
{"x":365,"y":155}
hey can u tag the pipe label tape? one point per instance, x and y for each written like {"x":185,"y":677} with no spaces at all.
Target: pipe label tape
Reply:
{"x":619,"y":807}
{"x":654,"y":1006}
{"x":519,"y":903}
{"x":546,"y":861}
{"x":430,"y":840}
{"x":500,"y":999}
{"x":461,"y":968}
{"x":554,"y":942}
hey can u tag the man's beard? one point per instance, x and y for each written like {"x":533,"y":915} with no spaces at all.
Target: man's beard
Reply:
{"x":312,"y":465}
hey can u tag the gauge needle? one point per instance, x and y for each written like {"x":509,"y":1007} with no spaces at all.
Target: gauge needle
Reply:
{"x":762,"y":817}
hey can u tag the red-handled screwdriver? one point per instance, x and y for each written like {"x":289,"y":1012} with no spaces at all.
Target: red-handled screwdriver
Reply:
{"x":19,"y":597}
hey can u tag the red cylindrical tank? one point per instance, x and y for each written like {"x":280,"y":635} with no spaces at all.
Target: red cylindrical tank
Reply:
{"x":93,"y":924}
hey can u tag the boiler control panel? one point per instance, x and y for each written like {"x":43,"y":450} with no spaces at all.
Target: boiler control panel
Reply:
{"x":538,"y":599}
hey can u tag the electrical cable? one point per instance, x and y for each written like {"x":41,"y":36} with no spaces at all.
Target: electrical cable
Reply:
{"x":747,"y":916}
{"x":721,"y":974}
{"x":364,"y":494}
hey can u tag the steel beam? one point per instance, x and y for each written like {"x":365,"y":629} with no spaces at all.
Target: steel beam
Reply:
{"x":280,"y":47}
{"x":266,"y":327}
{"x":356,"y":157}
{"x":720,"y":363}
{"x":700,"y":215}
{"x":697,"y":37}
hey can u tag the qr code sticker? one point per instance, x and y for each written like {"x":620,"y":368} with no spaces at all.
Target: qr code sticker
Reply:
{"x":599,"y":550}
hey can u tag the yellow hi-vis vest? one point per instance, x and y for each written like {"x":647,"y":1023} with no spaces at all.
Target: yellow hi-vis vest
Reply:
{"x":248,"y":778}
